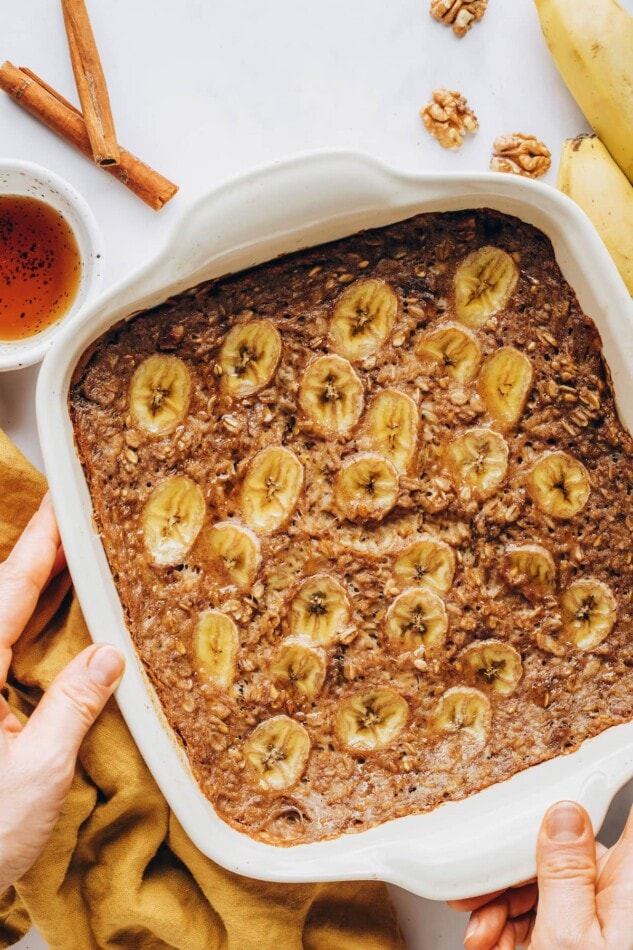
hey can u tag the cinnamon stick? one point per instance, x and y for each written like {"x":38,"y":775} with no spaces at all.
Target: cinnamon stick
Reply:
{"x":90,"y":82}
{"x":43,"y":102}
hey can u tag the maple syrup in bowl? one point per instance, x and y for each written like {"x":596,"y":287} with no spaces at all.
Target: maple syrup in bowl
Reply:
{"x":51,"y":260}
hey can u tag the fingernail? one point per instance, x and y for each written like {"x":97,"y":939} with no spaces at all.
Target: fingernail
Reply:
{"x":473,"y":926}
{"x":565,"y":822}
{"x":106,"y":665}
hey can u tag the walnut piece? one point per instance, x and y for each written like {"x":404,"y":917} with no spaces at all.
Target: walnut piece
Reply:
{"x":460,"y":14}
{"x":448,"y":117}
{"x":520,"y":154}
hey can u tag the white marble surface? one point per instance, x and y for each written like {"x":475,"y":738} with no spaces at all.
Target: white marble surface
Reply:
{"x":203,"y":91}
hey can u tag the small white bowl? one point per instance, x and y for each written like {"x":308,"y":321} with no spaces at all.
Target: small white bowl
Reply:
{"x":26,"y":179}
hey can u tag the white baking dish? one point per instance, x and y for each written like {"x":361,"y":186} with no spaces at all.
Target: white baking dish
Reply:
{"x":462,"y":848}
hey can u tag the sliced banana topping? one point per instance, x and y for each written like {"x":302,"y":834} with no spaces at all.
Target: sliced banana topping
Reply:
{"x":427,"y":562}
{"x":172,"y":518}
{"x":249,"y":357}
{"x":320,"y":610}
{"x":479,"y":460}
{"x":371,"y":719}
{"x":465,"y":712}
{"x":366,"y":487}
{"x":504,"y":383}
{"x":454,"y":349}
{"x":589,"y":613}
{"x":271,"y":488}
{"x":298,"y":667}
{"x":559,"y":484}
{"x":363,"y":318}
{"x":159,"y":393}
{"x":484,"y":282}
{"x":392,"y":423}
{"x":331,"y":394}
{"x":235,"y":552}
{"x":416,"y":620}
{"x":216,"y":642}
{"x":530,"y":567}
{"x":277,"y":753}
{"x":494,"y":664}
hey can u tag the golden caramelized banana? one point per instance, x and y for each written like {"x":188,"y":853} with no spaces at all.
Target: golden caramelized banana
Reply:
{"x":299,"y":668}
{"x":589,"y":613}
{"x":530,"y":567}
{"x":427,"y":562}
{"x":453,"y":348}
{"x":371,"y":719}
{"x":465,"y":712}
{"x":331,"y":394}
{"x":478,"y":459}
{"x":276,"y":753}
{"x":249,"y":357}
{"x":215,"y":643}
{"x":559,"y":484}
{"x":504,"y":384}
{"x":172,"y":518}
{"x":363,"y":318}
{"x":392,"y":424}
{"x":271,"y":488}
{"x":320,"y":610}
{"x":484,"y":282}
{"x":235,"y":551}
{"x":159,"y":393}
{"x":416,"y":620}
{"x":366,"y":487}
{"x":494,"y":663}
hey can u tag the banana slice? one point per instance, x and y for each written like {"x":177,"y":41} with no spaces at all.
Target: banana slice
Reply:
{"x":484,"y":282}
{"x":159,"y":393}
{"x":494,"y":663}
{"x":363,"y":318}
{"x":589,"y":613}
{"x":530,"y":567}
{"x":235,"y":551}
{"x":216,"y":642}
{"x":478,"y":459}
{"x":249,"y":357}
{"x":454,"y":348}
{"x":463,"y":711}
{"x":366,"y":487}
{"x":392,"y":423}
{"x":559,"y":484}
{"x":504,"y":384}
{"x":416,"y":620}
{"x":299,"y":667}
{"x":172,"y":518}
{"x":428,"y":563}
{"x":320,"y":610}
{"x":371,"y":719}
{"x":271,"y":488}
{"x":331,"y":394}
{"x":277,"y":753}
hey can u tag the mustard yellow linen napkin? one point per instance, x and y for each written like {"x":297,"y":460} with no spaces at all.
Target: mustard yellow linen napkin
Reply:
{"x":119,"y":872}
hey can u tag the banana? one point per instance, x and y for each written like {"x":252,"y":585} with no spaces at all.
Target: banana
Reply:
{"x":366,"y":487}
{"x":416,"y":620}
{"x":249,"y":357}
{"x":530,"y":567}
{"x":216,"y":642}
{"x":589,"y":613}
{"x":504,"y":385}
{"x":298,"y":667}
{"x":159,"y":393}
{"x":392,"y":423}
{"x":319,"y":610}
{"x":331,"y":394}
{"x":235,"y":551}
{"x":591,"y":44}
{"x":426,"y":562}
{"x":277,"y":752}
{"x":479,"y":460}
{"x":172,"y":518}
{"x":463,"y":711}
{"x":559,"y":484}
{"x":371,"y":719}
{"x":484,"y":282}
{"x":363,"y":318}
{"x":454,"y":348}
{"x":588,"y":174}
{"x":271,"y":488}
{"x":494,"y":663}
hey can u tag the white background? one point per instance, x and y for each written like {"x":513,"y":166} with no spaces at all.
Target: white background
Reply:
{"x":203,"y":90}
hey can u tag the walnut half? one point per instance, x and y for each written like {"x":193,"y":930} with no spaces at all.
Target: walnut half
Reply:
{"x":448,"y":117}
{"x":520,"y":154}
{"x":460,"y":14}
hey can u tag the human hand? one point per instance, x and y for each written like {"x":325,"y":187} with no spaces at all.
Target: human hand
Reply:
{"x":37,"y":761}
{"x":584,"y":899}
